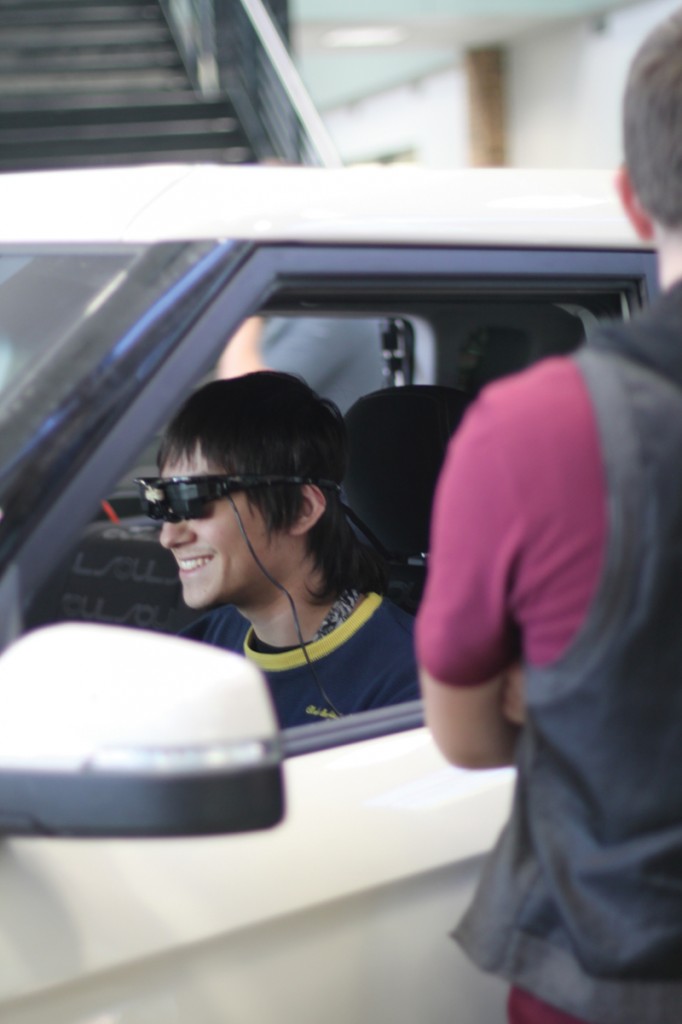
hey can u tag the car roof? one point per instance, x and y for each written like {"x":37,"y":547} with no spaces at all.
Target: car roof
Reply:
{"x":400,"y":205}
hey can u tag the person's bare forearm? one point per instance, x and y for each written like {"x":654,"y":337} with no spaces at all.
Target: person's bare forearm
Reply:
{"x":242,"y":354}
{"x":469,"y":723}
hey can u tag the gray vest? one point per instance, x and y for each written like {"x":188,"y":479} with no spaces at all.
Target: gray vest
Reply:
{"x":581,"y":901}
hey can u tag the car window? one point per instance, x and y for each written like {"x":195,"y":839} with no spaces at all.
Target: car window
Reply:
{"x":465,"y":346}
{"x":453,"y":332}
{"x":43,"y":296}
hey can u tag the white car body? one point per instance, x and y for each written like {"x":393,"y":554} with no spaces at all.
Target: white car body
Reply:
{"x":342,"y":913}
{"x":372,"y":204}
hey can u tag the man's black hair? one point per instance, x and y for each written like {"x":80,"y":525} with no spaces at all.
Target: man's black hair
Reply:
{"x":274,"y":424}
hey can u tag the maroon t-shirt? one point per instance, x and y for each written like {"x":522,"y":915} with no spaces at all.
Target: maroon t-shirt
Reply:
{"x":518,"y":529}
{"x":517,"y":543}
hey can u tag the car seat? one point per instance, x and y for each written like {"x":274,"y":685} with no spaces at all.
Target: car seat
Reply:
{"x":118,"y":574}
{"x":397,"y":442}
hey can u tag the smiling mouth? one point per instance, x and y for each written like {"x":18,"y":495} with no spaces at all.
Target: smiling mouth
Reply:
{"x":189,"y":564}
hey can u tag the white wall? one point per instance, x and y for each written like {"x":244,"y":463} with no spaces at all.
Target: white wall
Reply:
{"x":426,"y":118}
{"x":564,"y":88}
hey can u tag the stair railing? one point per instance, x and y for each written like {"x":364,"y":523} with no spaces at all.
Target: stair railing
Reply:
{"x":234,"y":48}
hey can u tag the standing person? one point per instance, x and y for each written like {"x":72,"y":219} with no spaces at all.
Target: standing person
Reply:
{"x":340,"y":358}
{"x":250,"y":498}
{"x":557,"y":541}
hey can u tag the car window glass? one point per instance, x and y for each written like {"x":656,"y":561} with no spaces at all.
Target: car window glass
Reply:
{"x":42,"y":298}
{"x":119,"y":573}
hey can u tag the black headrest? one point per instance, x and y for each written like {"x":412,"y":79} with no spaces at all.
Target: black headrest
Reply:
{"x":496,"y":339}
{"x":398,"y":438}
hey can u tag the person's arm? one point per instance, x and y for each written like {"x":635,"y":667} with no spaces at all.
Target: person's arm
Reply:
{"x":468,"y":646}
{"x":473,"y":726}
{"x":242,"y":353}
{"x":514,"y":559}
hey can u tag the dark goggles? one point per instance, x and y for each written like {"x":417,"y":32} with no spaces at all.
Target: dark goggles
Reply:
{"x":185,"y":497}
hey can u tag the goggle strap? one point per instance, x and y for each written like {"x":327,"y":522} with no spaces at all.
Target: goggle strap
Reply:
{"x":155,"y":491}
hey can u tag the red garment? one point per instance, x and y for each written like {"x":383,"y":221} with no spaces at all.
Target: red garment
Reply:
{"x":517,"y":555}
{"x":523,"y":1008}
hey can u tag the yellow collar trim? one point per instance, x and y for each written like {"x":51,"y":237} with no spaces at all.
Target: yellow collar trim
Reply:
{"x":320,"y":648}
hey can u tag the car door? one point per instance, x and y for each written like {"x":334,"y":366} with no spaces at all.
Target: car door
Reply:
{"x":343,"y":910}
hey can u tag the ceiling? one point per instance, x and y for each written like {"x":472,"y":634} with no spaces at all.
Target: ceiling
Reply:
{"x":348,"y":49}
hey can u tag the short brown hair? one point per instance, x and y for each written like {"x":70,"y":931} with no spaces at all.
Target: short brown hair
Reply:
{"x":652,"y":123}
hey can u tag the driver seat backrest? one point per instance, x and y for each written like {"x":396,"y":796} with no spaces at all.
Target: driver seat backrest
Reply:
{"x":117,"y":574}
{"x":397,"y":442}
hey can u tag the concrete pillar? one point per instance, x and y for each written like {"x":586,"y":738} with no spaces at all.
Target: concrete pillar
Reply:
{"x":485,"y":73}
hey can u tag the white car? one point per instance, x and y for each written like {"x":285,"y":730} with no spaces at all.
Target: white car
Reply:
{"x":168,"y":855}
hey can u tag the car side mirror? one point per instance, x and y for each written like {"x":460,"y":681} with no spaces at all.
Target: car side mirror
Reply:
{"x":106,"y":731}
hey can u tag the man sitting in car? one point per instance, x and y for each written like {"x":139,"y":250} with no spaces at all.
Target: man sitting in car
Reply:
{"x":250,"y":497}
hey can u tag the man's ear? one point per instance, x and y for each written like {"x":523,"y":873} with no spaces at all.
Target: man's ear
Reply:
{"x":312,"y":508}
{"x":636,"y":214}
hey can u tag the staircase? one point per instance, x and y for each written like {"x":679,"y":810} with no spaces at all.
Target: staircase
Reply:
{"x":100,"y":82}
